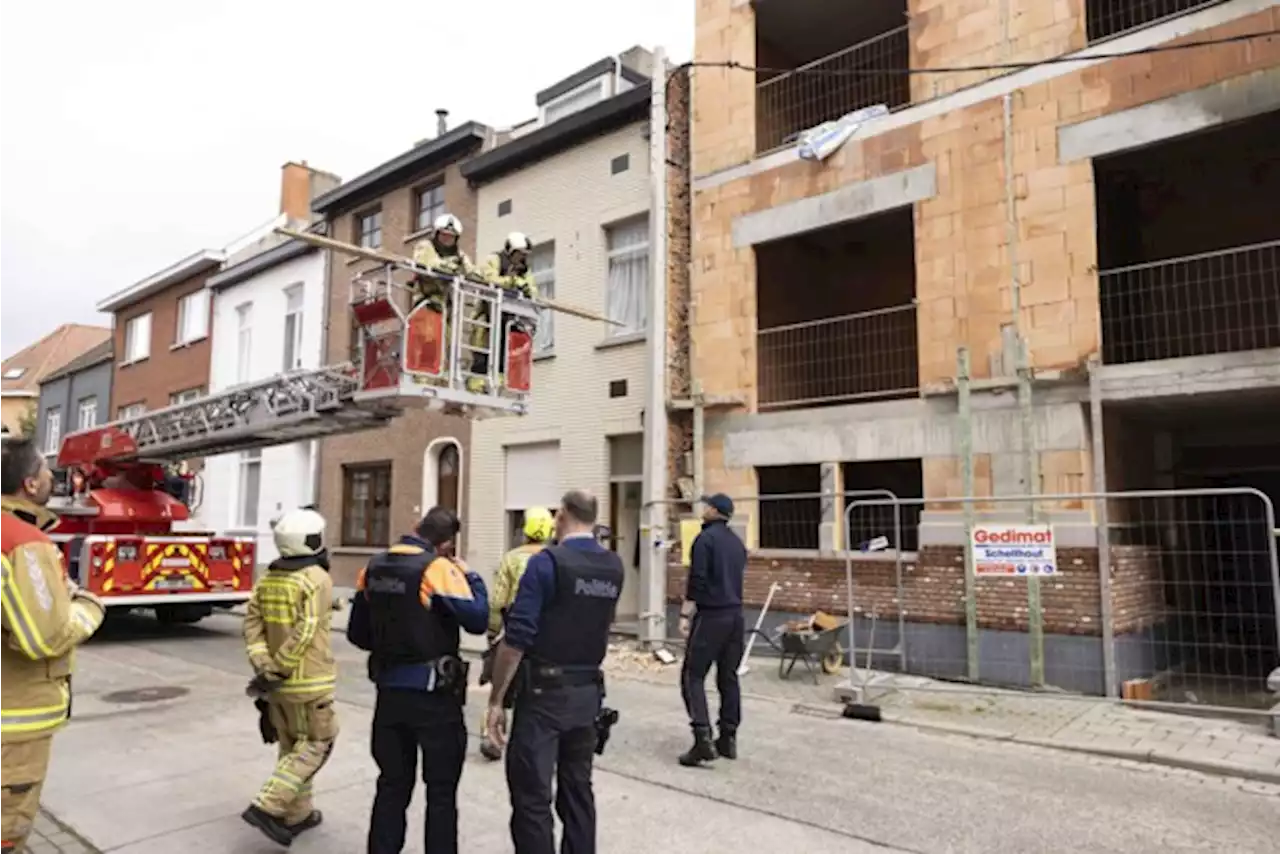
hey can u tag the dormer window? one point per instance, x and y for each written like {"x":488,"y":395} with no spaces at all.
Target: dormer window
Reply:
{"x":579,"y":98}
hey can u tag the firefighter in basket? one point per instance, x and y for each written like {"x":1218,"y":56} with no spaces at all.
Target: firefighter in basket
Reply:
{"x":441,"y":252}
{"x":46,"y":616}
{"x":286,"y":633}
{"x":508,"y":270}
{"x":539,"y":527}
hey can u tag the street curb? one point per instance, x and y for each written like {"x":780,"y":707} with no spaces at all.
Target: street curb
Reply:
{"x":1150,"y":757}
{"x":89,"y":847}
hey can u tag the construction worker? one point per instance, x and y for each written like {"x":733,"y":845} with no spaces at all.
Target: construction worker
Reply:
{"x":286,"y":634}
{"x":45,"y":616}
{"x":539,"y":525}
{"x":509,"y":270}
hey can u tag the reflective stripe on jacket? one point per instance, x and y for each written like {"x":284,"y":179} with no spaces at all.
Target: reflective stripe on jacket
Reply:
{"x":286,"y":629}
{"x":45,"y":617}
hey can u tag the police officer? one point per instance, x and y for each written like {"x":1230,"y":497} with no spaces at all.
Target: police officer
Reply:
{"x":286,"y":635}
{"x":557,"y":633}
{"x":718,"y":562}
{"x":45,"y":617}
{"x":410,"y":602}
{"x":538,"y":527}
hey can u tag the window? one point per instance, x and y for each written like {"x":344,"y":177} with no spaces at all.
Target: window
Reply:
{"x":542,"y":265}
{"x":369,"y":229}
{"x":366,"y":505}
{"x":504,"y":207}
{"x":621,"y":163}
{"x":14,"y":373}
{"x":52,"y":430}
{"x":87,"y":413}
{"x":573,"y":101}
{"x":137,"y":338}
{"x":789,"y":523}
{"x":193,"y":317}
{"x":447,"y":472}
{"x":293,"y":327}
{"x":430,"y":205}
{"x":132,"y":410}
{"x":244,"y":341}
{"x":250,"y":487}
{"x":185,"y":396}
{"x":628,"y":286}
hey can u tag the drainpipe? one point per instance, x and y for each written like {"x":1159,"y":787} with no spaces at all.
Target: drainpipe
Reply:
{"x":653,"y":569}
{"x":323,"y":360}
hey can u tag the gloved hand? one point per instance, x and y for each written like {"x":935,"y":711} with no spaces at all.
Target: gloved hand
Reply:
{"x":263,"y":684}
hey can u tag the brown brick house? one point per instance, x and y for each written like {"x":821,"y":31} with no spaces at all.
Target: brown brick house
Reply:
{"x":376,"y":484}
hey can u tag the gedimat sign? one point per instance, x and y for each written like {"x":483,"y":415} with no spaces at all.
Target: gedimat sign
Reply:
{"x":1001,"y":549}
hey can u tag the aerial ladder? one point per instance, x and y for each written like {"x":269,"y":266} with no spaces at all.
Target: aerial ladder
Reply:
{"x":123,"y":496}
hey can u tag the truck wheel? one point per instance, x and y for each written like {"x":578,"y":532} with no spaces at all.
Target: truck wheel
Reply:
{"x":182,"y":615}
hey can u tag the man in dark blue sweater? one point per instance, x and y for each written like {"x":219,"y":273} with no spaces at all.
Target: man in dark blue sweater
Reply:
{"x":711,"y":619}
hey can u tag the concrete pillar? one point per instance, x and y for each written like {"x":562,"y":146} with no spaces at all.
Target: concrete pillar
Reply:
{"x":831,"y":526}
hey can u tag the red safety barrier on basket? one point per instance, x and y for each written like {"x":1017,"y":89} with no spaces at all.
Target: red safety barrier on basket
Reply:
{"x":424,"y":342}
{"x":519,"y":360}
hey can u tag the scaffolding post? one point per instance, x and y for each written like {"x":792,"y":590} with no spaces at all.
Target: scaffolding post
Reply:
{"x":1103,"y":522}
{"x":966,"y":484}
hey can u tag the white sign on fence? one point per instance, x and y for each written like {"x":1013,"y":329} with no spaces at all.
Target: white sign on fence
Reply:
{"x":1000,"y":549}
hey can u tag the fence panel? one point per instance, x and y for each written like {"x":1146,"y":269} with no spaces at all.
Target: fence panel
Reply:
{"x":1172,"y":599}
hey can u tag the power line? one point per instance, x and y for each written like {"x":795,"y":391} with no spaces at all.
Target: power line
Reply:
{"x":960,"y":69}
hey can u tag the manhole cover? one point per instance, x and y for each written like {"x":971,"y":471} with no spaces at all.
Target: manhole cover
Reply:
{"x":146,"y":695}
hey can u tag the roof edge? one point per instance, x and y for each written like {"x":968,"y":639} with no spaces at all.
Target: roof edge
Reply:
{"x":260,"y":263}
{"x":194,"y":264}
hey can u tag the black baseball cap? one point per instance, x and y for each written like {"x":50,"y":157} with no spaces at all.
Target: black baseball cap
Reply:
{"x":722,"y":503}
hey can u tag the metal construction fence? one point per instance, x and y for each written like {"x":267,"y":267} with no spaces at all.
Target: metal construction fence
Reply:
{"x":1153,"y":596}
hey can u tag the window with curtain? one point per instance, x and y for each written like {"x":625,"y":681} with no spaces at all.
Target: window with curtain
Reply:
{"x":244,"y":341}
{"x":193,"y":317}
{"x":293,"y":327}
{"x":137,"y":338}
{"x":542,"y":265}
{"x":366,"y":504}
{"x":52,"y":430}
{"x":87,"y":413}
{"x":250,"y":487}
{"x":628,"y":286}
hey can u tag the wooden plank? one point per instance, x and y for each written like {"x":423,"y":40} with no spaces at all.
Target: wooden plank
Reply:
{"x":388,"y":258}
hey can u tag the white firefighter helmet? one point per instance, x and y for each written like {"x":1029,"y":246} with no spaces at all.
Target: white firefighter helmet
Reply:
{"x":448,"y":222}
{"x":299,"y":533}
{"x":517,"y":242}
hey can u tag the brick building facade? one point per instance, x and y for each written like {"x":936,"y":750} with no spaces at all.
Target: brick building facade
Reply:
{"x":376,"y":484}
{"x":832,"y":296}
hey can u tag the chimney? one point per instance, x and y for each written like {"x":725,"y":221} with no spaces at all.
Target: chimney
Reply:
{"x":295,"y":190}
{"x":442,"y":122}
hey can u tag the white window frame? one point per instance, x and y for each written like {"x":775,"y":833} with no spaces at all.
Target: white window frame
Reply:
{"x":14,"y":373}
{"x":133,"y":410}
{"x":632,"y":309}
{"x":87,"y":413}
{"x":573,"y":101}
{"x":294,"y":310}
{"x":52,"y":429}
{"x":244,"y":342}
{"x":250,"y":466}
{"x":137,"y":338}
{"x":193,"y":318}
{"x":544,"y":341}
{"x":185,"y":396}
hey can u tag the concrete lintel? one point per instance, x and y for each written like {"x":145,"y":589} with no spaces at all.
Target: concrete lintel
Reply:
{"x":898,"y":430}
{"x":1175,"y":116}
{"x":850,"y":202}
{"x":1222,"y":372}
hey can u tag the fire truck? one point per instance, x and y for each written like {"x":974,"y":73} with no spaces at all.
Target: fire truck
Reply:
{"x":121,"y":523}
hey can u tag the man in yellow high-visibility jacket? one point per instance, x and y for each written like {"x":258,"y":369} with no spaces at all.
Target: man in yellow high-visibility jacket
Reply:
{"x":539,"y":526}
{"x":45,"y":616}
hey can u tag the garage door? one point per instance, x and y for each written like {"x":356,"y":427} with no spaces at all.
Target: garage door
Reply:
{"x":533,"y":476}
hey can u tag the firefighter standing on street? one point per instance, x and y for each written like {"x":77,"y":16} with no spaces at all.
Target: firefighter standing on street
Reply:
{"x":711,"y":619}
{"x":557,"y":634}
{"x":410,"y":602}
{"x":538,"y":528}
{"x":45,"y":616}
{"x":508,"y":270}
{"x":286,"y":634}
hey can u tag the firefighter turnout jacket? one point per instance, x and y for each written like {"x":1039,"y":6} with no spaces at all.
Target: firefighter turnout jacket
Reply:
{"x":495,"y":272}
{"x":45,"y":617}
{"x":507,"y":582}
{"x":286,"y":628}
{"x":573,"y":630}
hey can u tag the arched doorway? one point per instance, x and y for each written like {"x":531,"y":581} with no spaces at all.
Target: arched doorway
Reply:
{"x":448,"y":477}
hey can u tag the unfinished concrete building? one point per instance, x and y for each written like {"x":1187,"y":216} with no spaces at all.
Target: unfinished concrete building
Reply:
{"x":1124,"y":205}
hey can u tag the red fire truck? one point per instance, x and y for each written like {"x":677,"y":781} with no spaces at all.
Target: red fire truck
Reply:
{"x":118,"y":524}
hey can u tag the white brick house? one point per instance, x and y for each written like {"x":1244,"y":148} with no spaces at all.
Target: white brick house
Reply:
{"x":579,"y":188}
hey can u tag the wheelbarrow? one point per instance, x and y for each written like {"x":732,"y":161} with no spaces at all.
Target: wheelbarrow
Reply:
{"x":818,"y":648}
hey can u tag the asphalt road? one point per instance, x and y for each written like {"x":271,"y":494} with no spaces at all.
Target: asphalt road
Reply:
{"x":163,"y":754}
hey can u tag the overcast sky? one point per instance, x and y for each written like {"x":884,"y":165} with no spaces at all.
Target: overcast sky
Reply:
{"x":136,"y":132}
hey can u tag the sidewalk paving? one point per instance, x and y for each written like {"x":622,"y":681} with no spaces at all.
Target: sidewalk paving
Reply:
{"x":1079,"y":724}
{"x":51,"y":836}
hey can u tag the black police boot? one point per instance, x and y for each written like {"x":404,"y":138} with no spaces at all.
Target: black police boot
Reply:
{"x":727,"y":744}
{"x":702,"y":751}
{"x":313,"y":820}
{"x":272,"y":827}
